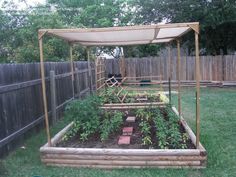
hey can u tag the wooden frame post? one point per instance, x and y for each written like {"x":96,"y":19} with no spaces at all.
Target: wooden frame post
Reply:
{"x":72,"y":71}
{"x":53,"y":96}
{"x":122,"y":66}
{"x":40,"y":38}
{"x":170,"y":71}
{"x":178,"y":77}
{"x":96,"y":74}
{"x":197,"y":71}
{"x":89,"y":68}
{"x":77,"y":82}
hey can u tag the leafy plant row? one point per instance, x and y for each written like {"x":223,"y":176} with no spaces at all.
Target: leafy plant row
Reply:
{"x":88,"y":119}
{"x":167,"y":129}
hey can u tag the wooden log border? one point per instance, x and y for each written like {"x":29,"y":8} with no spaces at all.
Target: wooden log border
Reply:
{"x":121,"y":106}
{"x":124,"y":158}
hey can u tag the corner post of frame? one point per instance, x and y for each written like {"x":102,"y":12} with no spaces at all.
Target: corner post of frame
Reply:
{"x":178,"y":76}
{"x":40,"y":38}
{"x":72,"y":69}
{"x":197,"y":75}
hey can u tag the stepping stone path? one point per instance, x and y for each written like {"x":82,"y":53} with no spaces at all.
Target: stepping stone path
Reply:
{"x":124,"y":140}
{"x":130,"y":119}
{"x":127,"y":132}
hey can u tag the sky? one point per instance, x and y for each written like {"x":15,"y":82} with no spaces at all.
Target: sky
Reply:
{"x":22,"y":5}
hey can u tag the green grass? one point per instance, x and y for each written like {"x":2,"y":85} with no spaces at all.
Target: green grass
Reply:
{"x":218,"y":136}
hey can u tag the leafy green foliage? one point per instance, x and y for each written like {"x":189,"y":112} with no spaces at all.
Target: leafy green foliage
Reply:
{"x":168,"y":133}
{"x":217,"y":20}
{"x":86,"y":117}
{"x":109,"y":95}
{"x":111,"y":122}
{"x":146,"y":132}
{"x":145,"y":126}
{"x":162,"y":130}
{"x":129,"y":99}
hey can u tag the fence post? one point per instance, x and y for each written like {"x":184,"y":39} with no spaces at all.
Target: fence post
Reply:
{"x":77,"y":84}
{"x":53,"y":96}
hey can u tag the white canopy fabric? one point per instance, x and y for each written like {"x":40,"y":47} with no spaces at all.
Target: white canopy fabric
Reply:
{"x":120,"y":36}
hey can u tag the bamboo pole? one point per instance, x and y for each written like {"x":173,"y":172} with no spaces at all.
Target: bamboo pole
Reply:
{"x":96,"y":72}
{"x":170,"y":66}
{"x":89,"y":67}
{"x":44,"y":90}
{"x":72,"y":71}
{"x":197,"y":70}
{"x":123,"y":66}
{"x":178,"y":77}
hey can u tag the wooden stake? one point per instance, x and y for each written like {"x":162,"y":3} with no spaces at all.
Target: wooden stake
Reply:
{"x":96,"y":72}
{"x":122,"y":66}
{"x":53,"y":96}
{"x":197,"y":70}
{"x":178,"y":77}
{"x":89,"y":67}
{"x":44,"y":90}
{"x":77,"y":82}
{"x":170,"y":66}
{"x":72,"y":71}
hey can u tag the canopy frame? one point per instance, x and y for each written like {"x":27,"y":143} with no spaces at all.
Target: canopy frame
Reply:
{"x":191,"y":26}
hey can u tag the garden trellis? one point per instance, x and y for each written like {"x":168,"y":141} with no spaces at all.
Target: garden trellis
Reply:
{"x":121,"y":36}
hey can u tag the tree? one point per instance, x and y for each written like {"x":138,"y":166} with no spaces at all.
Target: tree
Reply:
{"x":21,"y":40}
{"x":215,"y":18}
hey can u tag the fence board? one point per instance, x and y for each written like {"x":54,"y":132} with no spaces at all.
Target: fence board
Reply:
{"x":213,"y":68}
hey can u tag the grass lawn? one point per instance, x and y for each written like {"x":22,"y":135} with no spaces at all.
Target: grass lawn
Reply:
{"x":218,"y":136}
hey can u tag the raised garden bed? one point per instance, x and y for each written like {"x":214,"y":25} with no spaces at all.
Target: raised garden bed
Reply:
{"x":140,"y":153}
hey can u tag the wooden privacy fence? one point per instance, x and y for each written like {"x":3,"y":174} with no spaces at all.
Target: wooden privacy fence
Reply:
{"x":213,"y":68}
{"x":21,"y":101}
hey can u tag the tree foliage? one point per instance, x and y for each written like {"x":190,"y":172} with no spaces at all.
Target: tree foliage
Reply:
{"x":18,"y":28}
{"x":217,"y":20}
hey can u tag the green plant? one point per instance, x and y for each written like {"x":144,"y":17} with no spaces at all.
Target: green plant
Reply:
{"x":161,"y":130}
{"x":174,"y":137}
{"x":140,"y":113}
{"x":129,"y":99}
{"x":109,"y":95}
{"x":111,"y":122}
{"x":146,"y":132}
{"x":168,"y":130}
{"x":152,"y":97}
{"x":85,"y":115}
{"x":185,"y":138}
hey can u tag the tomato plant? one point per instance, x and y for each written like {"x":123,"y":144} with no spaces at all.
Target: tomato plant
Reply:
{"x":111,"y":122}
